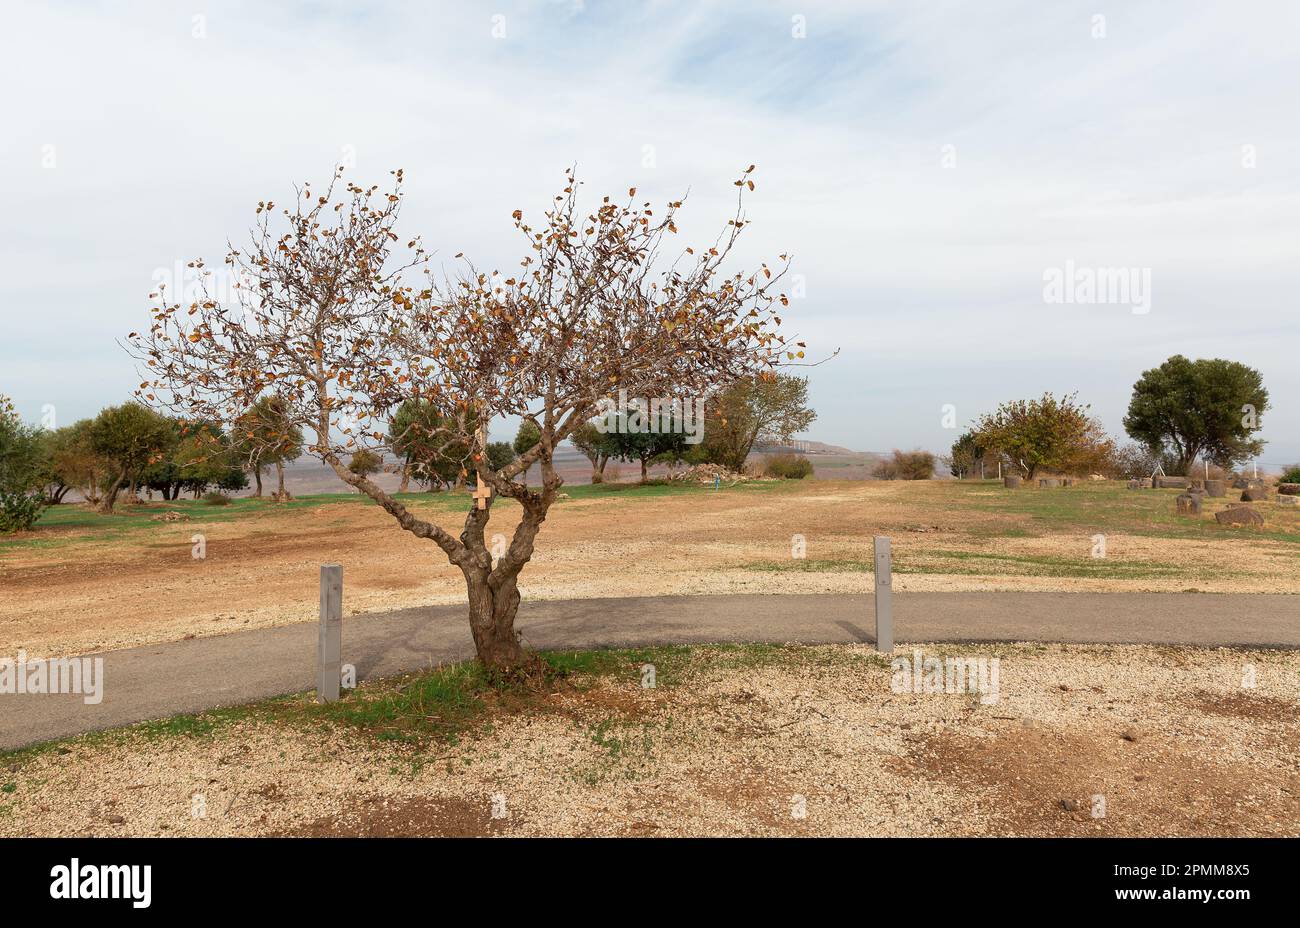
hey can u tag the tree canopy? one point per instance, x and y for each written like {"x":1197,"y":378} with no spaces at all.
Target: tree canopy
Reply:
{"x":1207,"y":408}
{"x":345,"y":321}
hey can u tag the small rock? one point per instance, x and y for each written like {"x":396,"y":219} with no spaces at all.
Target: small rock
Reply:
{"x":1129,"y":735}
{"x":116,"y":820}
{"x":1254,"y":494}
{"x":1070,"y":805}
{"x":1289,"y":489}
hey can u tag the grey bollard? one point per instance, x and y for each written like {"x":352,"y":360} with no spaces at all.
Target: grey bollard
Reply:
{"x":884,"y":597}
{"x":329,"y":647}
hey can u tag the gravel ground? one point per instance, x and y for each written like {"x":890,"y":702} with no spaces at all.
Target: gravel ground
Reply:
{"x":801,"y":741}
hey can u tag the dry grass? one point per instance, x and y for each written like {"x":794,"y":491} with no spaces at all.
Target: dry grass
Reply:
{"x":101,"y":583}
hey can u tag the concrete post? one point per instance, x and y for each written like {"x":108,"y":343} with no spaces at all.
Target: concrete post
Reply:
{"x":884,"y":597}
{"x":329,"y":647}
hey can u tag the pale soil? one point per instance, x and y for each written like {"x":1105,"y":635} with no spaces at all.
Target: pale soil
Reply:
{"x":262,"y":569}
{"x":1168,"y":736}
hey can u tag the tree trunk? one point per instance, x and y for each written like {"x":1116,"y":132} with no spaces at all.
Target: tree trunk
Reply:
{"x":110,"y":495}
{"x":257,"y":475}
{"x":406,"y":479}
{"x":280,"y":494}
{"x":492,"y":622}
{"x":643,"y":470}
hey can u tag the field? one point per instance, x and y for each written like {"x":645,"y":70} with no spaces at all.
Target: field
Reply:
{"x":81,"y":581}
{"x":740,"y":740}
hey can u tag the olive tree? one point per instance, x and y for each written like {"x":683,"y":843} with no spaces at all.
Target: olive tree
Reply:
{"x":344,"y":321}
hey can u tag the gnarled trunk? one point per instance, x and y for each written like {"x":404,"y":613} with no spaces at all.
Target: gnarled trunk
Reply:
{"x":492,"y":622}
{"x":257,"y":476}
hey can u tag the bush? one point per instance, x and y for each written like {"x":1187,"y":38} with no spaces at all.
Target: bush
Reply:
{"x":216,"y":499}
{"x":19,"y":511}
{"x":906,"y":465}
{"x":787,"y":466}
{"x":1291,"y":474}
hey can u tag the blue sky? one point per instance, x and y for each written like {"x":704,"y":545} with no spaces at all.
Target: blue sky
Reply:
{"x":925,"y":162}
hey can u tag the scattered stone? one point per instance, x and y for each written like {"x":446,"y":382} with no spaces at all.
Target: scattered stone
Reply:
{"x":1096,"y":477}
{"x":1254,"y":495}
{"x":1011,"y":483}
{"x":1188,"y":504}
{"x":1067,"y":482}
{"x":708,"y":474}
{"x":1129,"y":735}
{"x":1135,"y":484}
{"x":1216,"y":487}
{"x":1048,"y":482}
{"x":1070,"y":805}
{"x":1288,"y":489}
{"x":1171,"y":483}
{"x":170,"y":516}
{"x":1240,"y":515}
{"x":1292,"y":501}
{"x":116,"y":820}
{"x":563,"y":496}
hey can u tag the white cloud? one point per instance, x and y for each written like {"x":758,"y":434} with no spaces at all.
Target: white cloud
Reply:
{"x":1120,"y":151}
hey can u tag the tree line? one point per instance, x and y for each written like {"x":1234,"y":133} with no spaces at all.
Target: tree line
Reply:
{"x":1180,"y":412}
{"x":128,"y":448}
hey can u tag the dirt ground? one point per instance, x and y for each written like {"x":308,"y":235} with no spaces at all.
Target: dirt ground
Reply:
{"x":801,"y":741}
{"x":71,"y":590}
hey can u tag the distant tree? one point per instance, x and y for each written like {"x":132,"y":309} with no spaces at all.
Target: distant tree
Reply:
{"x":129,"y":438}
{"x":967,"y":456}
{"x":906,"y":465}
{"x":764,"y":407}
{"x":629,"y":442}
{"x":23,"y":470}
{"x":1208,"y":407}
{"x":525,"y":439}
{"x":365,"y":462}
{"x":1044,"y":434}
{"x":500,"y":454}
{"x":591,"y":441}
{"x":265,"y":437}
{"x":70,"y":461}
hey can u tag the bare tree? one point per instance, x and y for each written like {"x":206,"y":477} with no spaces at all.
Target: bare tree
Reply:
{"x":332,"y":326}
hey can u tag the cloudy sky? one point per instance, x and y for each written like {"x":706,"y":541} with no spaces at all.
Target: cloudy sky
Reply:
{"x":926,"y":163}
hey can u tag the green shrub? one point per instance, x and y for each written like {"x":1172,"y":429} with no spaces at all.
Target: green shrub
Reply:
{"x":1291,"y":474}
{"x":19,"y":511}
{"x":787,"y":466}
{"x":216,"y":499}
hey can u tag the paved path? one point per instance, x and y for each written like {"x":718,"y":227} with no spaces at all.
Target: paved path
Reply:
{"x":187,"y":676}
